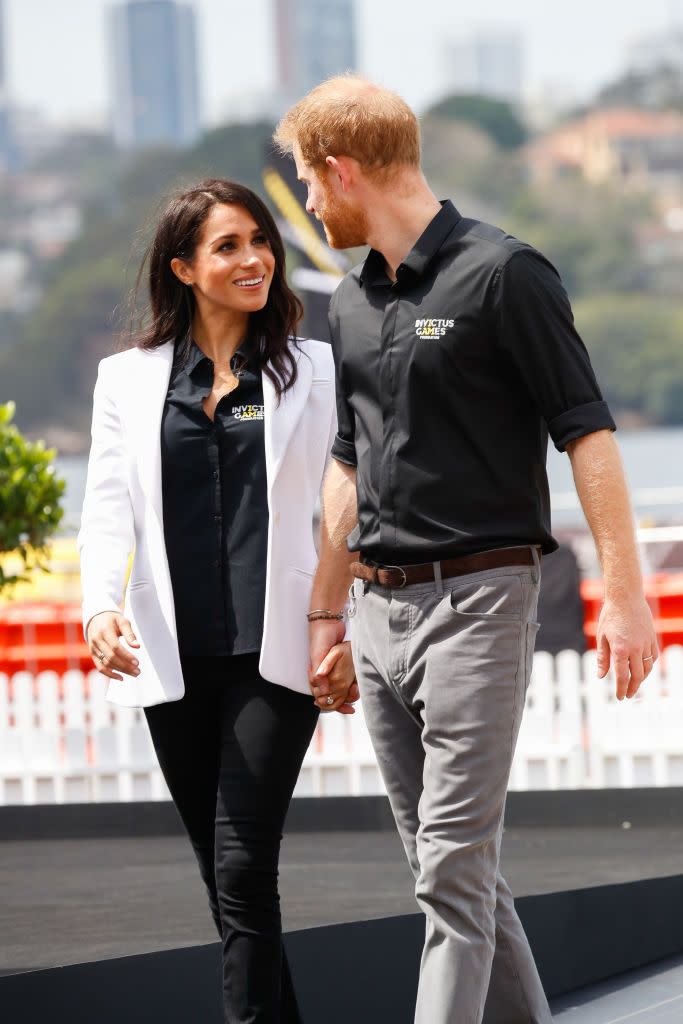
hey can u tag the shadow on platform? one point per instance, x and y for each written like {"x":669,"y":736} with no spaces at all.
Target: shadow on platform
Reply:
{"x":364,"y":972}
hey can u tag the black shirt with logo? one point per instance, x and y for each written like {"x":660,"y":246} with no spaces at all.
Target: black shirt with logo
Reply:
{"x":215,"y":507}
{"x":449,"y":381}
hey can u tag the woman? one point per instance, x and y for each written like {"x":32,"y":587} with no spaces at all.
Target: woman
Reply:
{"x":210,"y":440}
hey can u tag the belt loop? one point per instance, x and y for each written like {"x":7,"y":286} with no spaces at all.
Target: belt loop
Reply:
{"x":366,"y":586}
{"x":536,"y":574}
{"x":437,"y":579}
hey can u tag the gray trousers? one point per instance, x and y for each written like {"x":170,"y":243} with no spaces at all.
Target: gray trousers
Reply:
{"x":443,"y":669}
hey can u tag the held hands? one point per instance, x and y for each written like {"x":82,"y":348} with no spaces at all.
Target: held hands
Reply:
{"x":104,"y":632}
{"x":627,"y":640}
{"x":334,"y":675}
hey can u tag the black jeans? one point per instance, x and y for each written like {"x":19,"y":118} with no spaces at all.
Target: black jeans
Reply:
{"x":231,"y":751}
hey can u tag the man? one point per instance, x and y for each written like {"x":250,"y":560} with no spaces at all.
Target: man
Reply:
{"x":456,"y":355}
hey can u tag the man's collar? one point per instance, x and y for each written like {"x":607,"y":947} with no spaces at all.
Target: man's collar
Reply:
{"x":422,"y":253}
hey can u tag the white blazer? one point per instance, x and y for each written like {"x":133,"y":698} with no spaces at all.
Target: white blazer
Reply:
{"x":122,"y":511}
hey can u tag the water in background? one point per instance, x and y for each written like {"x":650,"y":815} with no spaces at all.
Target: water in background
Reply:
{"x":653,"y":458}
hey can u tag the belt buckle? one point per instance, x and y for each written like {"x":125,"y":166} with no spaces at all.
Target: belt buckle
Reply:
{"x":403,"y":573}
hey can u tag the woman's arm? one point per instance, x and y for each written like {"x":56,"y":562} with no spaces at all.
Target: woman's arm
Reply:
{"x":107,"y":535}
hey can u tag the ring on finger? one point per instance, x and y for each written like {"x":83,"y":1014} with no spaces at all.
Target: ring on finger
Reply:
{"x":330,"y":699}
{"x":650,"y":657}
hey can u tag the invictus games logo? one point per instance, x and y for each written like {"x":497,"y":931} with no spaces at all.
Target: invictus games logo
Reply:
{"x":432,"y":328}
{"x":247,"y":412}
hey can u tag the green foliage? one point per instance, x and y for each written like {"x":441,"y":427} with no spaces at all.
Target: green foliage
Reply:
{"x":635,"y":346}
{"x":30,"y":493}
{"x":658,"y":89}
{"x":495,"y":118}
{"x":588,"y":232}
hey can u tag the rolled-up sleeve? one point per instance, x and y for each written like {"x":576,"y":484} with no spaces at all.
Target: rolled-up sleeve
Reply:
{"x":535,"y":329}
{"x":344,"y":446}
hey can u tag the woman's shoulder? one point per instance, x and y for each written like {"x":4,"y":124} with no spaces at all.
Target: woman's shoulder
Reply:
{"x":320,"y":354}
{"x":122,"y":362}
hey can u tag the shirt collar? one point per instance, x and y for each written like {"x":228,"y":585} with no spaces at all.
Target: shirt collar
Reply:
{"x":422,"y":253}
{"x":198,"y":364}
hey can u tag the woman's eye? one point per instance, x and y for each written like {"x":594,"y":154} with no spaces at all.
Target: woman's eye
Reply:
{"x":260,"y":240}
{"x":228,"y":245}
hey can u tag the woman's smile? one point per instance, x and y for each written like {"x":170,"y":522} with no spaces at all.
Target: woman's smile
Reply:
{"x":250,"y":283}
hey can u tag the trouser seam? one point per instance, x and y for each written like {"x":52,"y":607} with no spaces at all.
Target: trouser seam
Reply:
{"x":500,"y":937}
{"x":521,"y":666}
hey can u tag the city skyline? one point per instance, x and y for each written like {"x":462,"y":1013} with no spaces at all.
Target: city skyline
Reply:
{"x":570,"y":54}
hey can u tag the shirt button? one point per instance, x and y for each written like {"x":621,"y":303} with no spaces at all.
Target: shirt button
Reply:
{"x":215,"y":474}
{"x":218,"y":517}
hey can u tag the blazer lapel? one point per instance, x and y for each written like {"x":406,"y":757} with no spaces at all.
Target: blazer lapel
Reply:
{"x":150,"y":387}
{"x":280,"y":419}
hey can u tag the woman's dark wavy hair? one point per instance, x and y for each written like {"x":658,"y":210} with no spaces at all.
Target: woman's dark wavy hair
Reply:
{"x":172,"y":304}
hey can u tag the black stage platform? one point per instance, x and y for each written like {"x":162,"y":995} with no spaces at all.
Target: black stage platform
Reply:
{"x":122,"y":882}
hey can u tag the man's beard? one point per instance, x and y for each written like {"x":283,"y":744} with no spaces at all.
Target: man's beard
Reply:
{"x":346,"y":226}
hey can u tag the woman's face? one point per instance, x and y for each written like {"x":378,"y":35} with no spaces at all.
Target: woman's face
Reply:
{"x":233,"y":264}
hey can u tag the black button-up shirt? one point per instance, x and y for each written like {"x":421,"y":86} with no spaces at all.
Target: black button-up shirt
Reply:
{"x":215,"y":508}
{"x":448,"y":383}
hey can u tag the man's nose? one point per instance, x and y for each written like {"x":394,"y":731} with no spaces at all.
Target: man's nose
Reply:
{"x":310,"y":208}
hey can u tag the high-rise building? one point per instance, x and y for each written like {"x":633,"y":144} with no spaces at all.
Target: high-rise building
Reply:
{"x":488,"y":63}
{"x":8,"y":153}
{"x":155,"y":95}
{"x":315,"y":39}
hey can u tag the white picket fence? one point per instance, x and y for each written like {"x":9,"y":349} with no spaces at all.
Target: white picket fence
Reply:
{"x":61,"y":742}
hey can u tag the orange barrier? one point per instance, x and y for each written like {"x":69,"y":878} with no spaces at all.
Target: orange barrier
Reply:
{"x":42,"y":636}
{"x":39,"y":636}
{"x":664,"y":593}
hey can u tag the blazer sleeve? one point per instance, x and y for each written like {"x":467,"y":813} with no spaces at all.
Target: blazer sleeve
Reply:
{"x":107,"y":534}
{"x":331,"y":437}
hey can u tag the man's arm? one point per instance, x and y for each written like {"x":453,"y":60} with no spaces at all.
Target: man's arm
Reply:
{"x":333,"y":576}
{"x":626,"y":633}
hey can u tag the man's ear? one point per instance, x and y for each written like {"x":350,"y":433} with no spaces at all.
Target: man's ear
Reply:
{"x":181,"y":270}
{"x":343,"y":168}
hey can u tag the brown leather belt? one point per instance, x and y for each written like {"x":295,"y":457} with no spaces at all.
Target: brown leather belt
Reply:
{"x":398,"y":576}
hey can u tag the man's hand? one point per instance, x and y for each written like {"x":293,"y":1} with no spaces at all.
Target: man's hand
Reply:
{"x":104,"y":632}
{"x":627,"y":640}
{"x":336,"y":678}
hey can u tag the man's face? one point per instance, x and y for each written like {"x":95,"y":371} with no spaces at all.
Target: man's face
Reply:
{"x":345,"y":222}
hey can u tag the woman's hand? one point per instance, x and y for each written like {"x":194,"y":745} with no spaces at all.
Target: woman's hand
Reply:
{"x":104,"y":632}
{"x":338,"y":678}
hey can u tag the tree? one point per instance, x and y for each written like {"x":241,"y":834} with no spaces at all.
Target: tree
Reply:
{"x":30,"y":493}
{"x":495,"y":117}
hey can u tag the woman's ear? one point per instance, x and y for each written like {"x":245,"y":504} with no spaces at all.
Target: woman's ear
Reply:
{"x":181,"y":270}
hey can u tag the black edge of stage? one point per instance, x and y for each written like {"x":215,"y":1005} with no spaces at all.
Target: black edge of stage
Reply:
{"x":365,"y":972}
{"x":583,"y":808}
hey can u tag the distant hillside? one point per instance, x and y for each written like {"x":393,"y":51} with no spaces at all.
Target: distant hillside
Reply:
{"x":631,"y":319}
